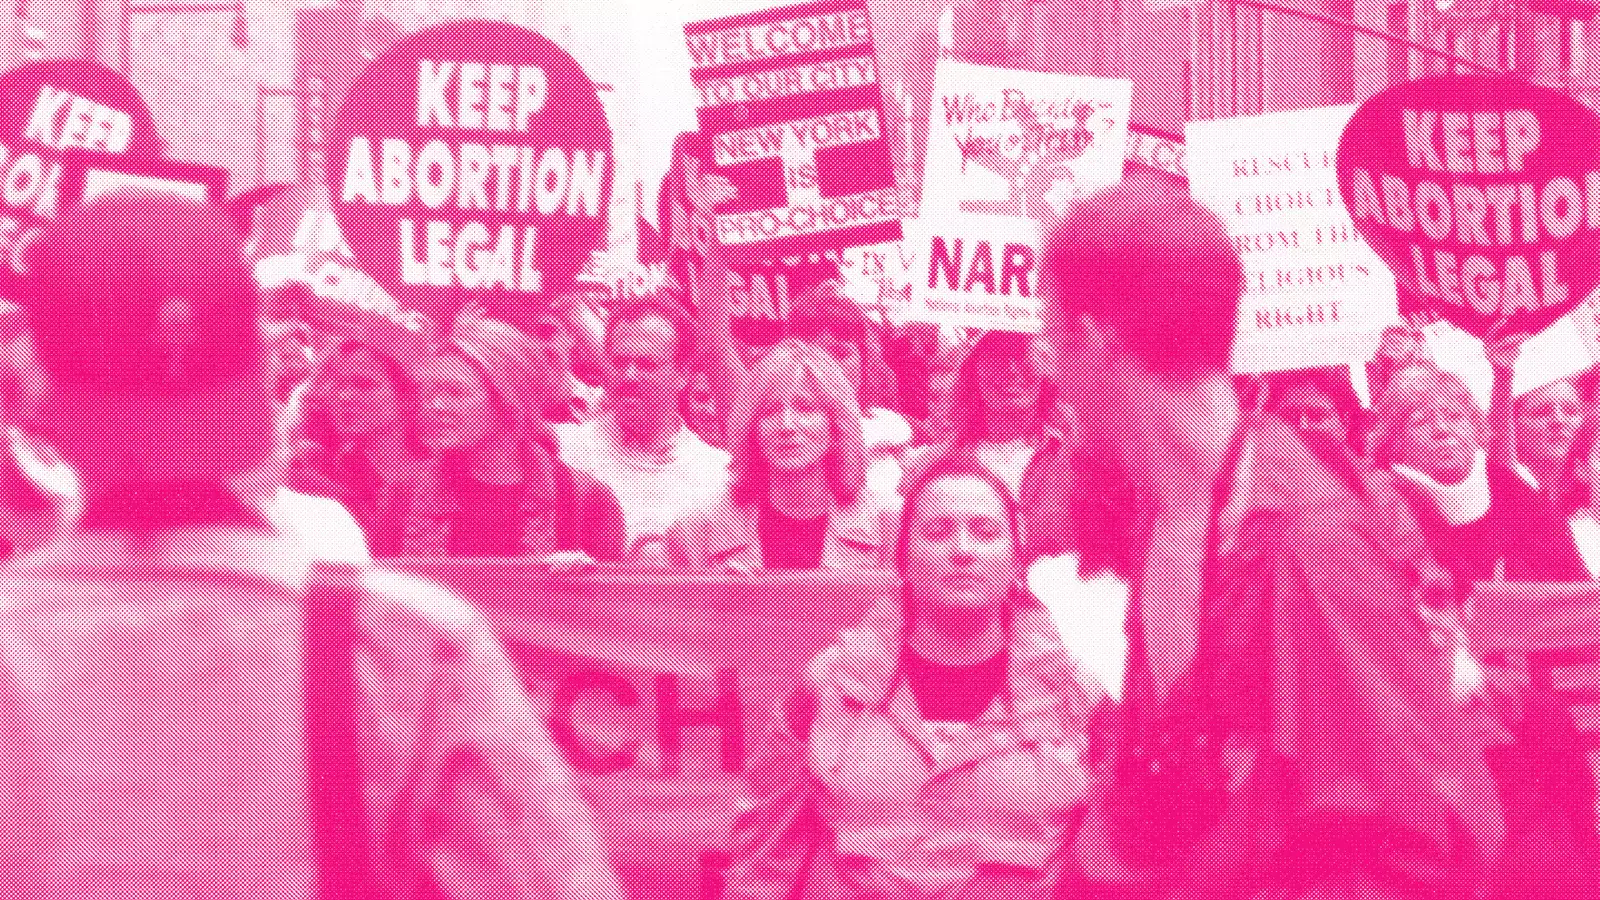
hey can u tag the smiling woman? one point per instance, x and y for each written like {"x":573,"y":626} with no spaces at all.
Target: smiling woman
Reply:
{"x":798,"y":498}
{"x":1481,"y":519}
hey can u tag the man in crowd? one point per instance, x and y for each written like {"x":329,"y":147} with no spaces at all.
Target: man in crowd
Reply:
{"x":1289,"y":728}
{"x":640,"y":447}
{"x":187,"y":706}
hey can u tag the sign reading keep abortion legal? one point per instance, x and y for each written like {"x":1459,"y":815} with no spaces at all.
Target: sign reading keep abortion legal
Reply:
{"x":1483,"y":195}
{"x":48,"y":108}
{"x":471,"y":158}
{"x":790,"y":100}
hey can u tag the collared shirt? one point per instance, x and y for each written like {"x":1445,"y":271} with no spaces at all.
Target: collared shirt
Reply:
{"x":654,"y":486}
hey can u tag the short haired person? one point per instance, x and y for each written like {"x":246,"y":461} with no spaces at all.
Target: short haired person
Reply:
{"x":1321,"y":404}
{"x":798,"y":497}
{"x":1482,"y":519}
{"x":640,"y":446}
{"x":1289,"y":727}
{"x":155,"y":724}
{"x":1545,"y":423}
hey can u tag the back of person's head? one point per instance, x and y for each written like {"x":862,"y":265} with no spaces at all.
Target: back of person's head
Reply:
{"x":507,"y":360}
{"x":1410,"y":390}
{"x":661,"y":305}
{"x":999,"y":348}
{"x":789,"y":360}
{"x":1150,"y":266}
{"x":147,"y":321}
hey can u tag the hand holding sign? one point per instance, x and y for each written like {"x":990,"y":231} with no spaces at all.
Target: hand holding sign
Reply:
{"x":1483,"y":195}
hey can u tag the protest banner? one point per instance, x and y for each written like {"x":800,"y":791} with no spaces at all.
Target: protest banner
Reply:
{"x":1315,"y":293}
{"x":659,"y":687}
{"x":471,"y":160}
{"x":792,"y":108}
{"x":1009,"y":152}
{"x":297,"y":241}
{"x":1482,"y":194}
{"x":47,"y":108}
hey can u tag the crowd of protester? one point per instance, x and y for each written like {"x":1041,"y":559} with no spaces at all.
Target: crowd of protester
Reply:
{"x":1299,"y":717}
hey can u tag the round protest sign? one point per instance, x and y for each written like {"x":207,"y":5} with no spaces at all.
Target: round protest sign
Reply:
{"x":1483,"y":195}
{"x":471,"y":159}
{"x":46,"y":109}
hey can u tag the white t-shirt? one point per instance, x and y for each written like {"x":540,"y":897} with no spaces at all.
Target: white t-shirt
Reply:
{"x":886,"y":434}
{"x":321,"y":526}
{"x":654,"y":489}
{"x":1586,"y":534}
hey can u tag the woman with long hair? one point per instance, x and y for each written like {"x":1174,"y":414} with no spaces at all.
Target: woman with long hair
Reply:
{"x":939,"y":749}
{"x":798,"y":498}
{"x":1005,"y":408}
{"x":363,"y":407}
{"x":825,"y":316}
{"x":497,"y":486}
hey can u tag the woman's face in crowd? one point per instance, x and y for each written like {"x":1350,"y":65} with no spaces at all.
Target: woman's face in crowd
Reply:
{"x":795,"y":430}
{"x":701,"y":405}
{"x":1009,"y":382}
{"x":457,"y":410}
{"x":1440,"y":440}
{"x":959,"y":551}
{"x":1310,"y":411}
{"x":361,"y":399}
{"x":1547,"y":421}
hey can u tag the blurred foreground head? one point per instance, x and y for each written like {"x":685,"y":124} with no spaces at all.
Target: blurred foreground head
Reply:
{"x":146,"y":320}
{"x":1142,"y":287}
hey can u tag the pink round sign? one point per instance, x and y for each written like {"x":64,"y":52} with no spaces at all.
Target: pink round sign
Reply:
{"x":1483,"y":195}
{"x":48,"y":109}
{"x":471,"y":159}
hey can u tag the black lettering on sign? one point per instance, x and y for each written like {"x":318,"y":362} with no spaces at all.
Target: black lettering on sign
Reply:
{"x":577,"y":752}
{"x":672,"y":718}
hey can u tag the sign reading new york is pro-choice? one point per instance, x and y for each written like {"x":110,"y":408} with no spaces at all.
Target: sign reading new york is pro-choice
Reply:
{"x":790,"y":102}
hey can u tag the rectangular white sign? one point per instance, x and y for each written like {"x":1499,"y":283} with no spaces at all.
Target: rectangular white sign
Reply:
{"x":1021,"y":144}
{"x":1315,"y":293}
{"x":1009,"y":152}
